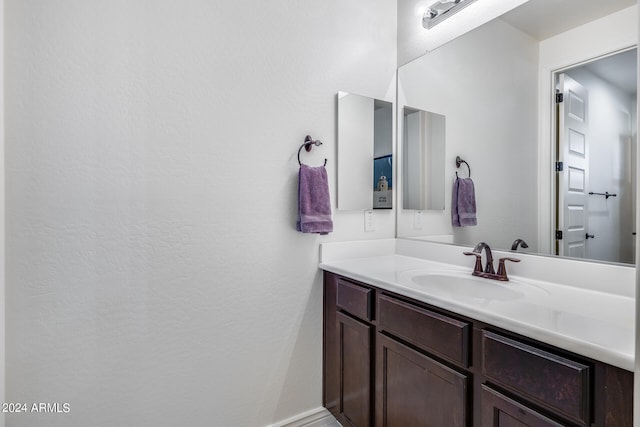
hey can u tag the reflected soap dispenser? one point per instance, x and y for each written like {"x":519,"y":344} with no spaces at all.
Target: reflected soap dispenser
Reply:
{"x":383,"y":185}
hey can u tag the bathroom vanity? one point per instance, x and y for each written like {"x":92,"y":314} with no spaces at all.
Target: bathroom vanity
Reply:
{"x":399,"y":353}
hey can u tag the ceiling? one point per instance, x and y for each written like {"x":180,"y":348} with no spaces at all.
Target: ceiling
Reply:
{"x":542,"y":19}
{"x":620,"y":69}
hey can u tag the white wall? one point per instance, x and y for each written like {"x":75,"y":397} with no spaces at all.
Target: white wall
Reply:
{"x":2,"y":220}
{"x":636,"y":382}
{"x":634,"y":157}
{"x":485,"y":84}
{"x":154,"y":277}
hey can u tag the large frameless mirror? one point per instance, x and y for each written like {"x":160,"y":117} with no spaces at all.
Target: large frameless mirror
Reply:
{"x":559,"y":176}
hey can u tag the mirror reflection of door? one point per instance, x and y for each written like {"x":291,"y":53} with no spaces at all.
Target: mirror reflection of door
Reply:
{"x":573,"y":167}
{"x":595,"y":188}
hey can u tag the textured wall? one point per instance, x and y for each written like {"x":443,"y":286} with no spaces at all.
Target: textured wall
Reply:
{"x":154,"y":277}
{"x":2,"y":216}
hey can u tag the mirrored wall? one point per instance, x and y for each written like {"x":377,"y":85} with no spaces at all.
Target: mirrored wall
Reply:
{"x":496,"y":86}
{"x":365,"y":153}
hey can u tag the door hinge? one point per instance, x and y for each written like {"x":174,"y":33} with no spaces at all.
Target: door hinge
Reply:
{"x":559,"y":166}
{"x":559,"y":98}
{"x":558,"y":234}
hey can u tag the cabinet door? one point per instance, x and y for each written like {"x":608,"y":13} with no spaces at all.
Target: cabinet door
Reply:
{"x":330,"y":347}
{"x":500,"y":411}
{"x":355,"y":371}
{"x":415,"y":390}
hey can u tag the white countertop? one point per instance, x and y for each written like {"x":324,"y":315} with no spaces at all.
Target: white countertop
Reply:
{"x":589,"y":322}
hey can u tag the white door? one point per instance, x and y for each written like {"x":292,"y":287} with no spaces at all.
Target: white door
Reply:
{"x":573,"y":180}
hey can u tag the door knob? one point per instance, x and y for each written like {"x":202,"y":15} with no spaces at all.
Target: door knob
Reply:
{"x":589,"y":236}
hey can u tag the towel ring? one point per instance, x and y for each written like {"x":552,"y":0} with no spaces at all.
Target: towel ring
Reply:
{"x":308,"y":145}
{"x":459,"y":161}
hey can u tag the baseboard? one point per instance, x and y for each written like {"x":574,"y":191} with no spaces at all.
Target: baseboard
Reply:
{"x":315,"y":417}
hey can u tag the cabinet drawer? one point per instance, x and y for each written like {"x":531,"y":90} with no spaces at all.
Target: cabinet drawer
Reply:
{"x":355,"y":299}
{"x":499,"y":411}
{"x":438,"y":334}
{"x":551,"y":381}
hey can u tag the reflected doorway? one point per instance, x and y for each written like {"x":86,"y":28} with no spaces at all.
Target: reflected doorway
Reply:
{"x":596,"y":140}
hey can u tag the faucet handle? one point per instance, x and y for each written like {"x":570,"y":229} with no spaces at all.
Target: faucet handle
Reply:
{"x":477,"y":268}
{"x":502,"y":270}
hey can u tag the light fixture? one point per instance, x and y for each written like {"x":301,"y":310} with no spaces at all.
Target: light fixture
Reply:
{"x":441,"y":10}
{"x":445,"y":20}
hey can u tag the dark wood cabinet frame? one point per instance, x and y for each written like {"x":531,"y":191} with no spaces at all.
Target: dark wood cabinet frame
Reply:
{"x":389,"y":361}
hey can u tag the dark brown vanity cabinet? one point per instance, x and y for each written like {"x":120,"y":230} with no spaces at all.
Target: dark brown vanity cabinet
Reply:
{"x":413,"y":389}
{"x":501,"y":411}
{"x":559,"y":384}
{"x":390,"y":361}
{"x":525,"y":383}
{"x":348,"y":351}
{"x":355,"y":344}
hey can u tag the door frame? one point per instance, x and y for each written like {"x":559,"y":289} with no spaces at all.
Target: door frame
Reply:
{"x":554,"y":59}
{"x":550,"y":232}
{"x":566,"y":82}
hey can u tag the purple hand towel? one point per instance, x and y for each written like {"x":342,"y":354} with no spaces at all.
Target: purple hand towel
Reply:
{"x":463,"y":203}
{"x":314,"y":204}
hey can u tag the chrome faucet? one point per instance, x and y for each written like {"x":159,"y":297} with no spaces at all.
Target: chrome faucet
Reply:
{"x":519,"y":242}
{"x":488,"y":272}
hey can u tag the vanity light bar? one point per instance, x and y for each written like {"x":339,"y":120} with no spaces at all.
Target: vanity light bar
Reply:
{"x":441,"y":10}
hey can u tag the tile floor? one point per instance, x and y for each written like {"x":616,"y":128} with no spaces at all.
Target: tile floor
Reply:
{"x":325,"y":422}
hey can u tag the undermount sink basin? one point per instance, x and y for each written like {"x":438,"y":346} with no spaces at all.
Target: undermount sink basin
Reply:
{"x":465,"y":286}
